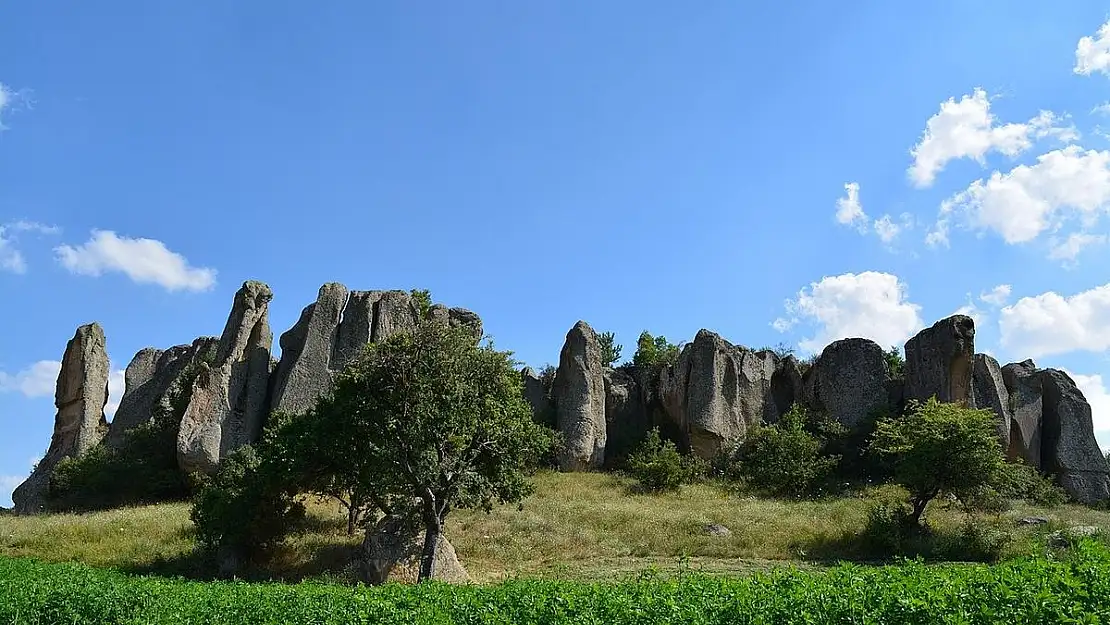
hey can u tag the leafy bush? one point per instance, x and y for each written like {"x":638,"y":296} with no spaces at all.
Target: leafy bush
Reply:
{"x":1030,"y":590}
{"x":784,"y":459}
{"x":941,"y":448}
{"x":657,"y":465}
{"x":246,"y":508}
{"x":1018,"y":480}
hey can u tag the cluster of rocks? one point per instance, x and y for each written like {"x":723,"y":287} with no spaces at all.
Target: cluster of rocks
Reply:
{"x":717,"y":391}
{"x":218,"y":392}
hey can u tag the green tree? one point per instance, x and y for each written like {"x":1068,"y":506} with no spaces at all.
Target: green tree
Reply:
{"x":658,"y":465}
{"x":430,"y":421}
{"x":895,"y":363}
{"x":654,"y":352}
{"x":941,"y":448}
{"x":610,"y":351}
{"x":422,"y":300}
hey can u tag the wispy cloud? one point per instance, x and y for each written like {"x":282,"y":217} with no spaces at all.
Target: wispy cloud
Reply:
{"x":38,"y":380}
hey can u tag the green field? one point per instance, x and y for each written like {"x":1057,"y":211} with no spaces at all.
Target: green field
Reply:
{"x":1033,"y":590}
{"x":578,"y":526}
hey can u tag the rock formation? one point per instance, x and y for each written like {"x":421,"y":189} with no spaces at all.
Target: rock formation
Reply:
{"x":579,"y":393}
{"x":716,"y":392}
{"x":392,"y":550}
{"x":228,"y":403}
{"x":1023,"y":386}
{"x":787,"y":387}
{"x":307,"y":351}
{"x":989,"y":393}
{"x":1069,"y":450}
{"x":538,"y":397}
{"x":79,"y":424}
{"x":939,"y":361}
{"x":849,"y":381}
{"x":626,"y":417}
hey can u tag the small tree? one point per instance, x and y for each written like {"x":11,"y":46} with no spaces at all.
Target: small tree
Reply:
{"x":422,"y":300}
{"x":895,"y":363}
{"x":653,"y":352}
{"x":431,"y":421}
{"x":658,"y":465}
{"x":940,"y":448}
{"x":610,"y":351}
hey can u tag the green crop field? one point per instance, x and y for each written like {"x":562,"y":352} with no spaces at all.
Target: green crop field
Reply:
{"x":1027,"y":590}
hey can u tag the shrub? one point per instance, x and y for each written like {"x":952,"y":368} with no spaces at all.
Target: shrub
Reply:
{"x":657,"y":465}
{"x":1018,"y":480}
{"x":245,"y":507}
{"x":784,"y":459}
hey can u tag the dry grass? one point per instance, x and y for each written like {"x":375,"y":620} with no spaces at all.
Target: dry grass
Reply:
{"x":582,"y":526}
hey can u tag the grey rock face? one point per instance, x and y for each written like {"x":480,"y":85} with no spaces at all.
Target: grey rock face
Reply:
{"x":939,"y":361}
{"x":228,"y":402}
{"x":462,"y":317}
{"x":394,"y":313}
{"x":715,"y":392}
{"x":139,"y":395}
{"x":848,"y":381}
{"x":79,"y":424}
{"x":1069,"y":450}
{"x":355,"y":328}
{"x":787,"y":387}
{"x":391,"y":553}
{"x":626,"y":418}
{"x":989,"y":391}
{"x":537,"y":397}
{"x":305,"y":370}
{"x":1026,"y":399}
{"x":580,"y":400}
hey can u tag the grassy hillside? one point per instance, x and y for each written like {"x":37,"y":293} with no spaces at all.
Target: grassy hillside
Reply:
{"x":576,"y":526}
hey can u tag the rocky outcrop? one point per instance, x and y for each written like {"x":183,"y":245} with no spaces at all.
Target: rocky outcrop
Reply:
{"x":79,"y":425}
{"x":392,"y":549}
{"x":626,"y":417}
{"x":849,"y":382}
{"x":579,"y":393}
{"x":461,"y":317}
{"x":1026,"y":393}
{"x":1069,"y":450}
{"x":537,"y":396}
{"x":787,"y":387}
{"x":716,"y":392}
{"x":989,"y":393}
{"x":228,"y":403}
{"x":139,"y":394}
{"x":394,"y":313}
{"x":939,"y":361}
{"x":307,"y":350}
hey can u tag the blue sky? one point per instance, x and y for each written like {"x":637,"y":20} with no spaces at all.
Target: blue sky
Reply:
{"x":775,"y":173}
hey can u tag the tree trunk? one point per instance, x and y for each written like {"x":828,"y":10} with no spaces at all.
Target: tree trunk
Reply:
{"x":433,"y":527}
{"x":352,"y":520}
{"x":919,"y":508}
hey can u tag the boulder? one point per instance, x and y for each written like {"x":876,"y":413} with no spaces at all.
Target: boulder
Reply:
{"x":79,"y":425}
{"x":989,"y":393}
{"x":306,"y":367}
{"x":626,"y":418}
{"x":462,"y":317}
{"x":579,"y":393}
{"x":1069,"y":450}
{"x":939,"y":361}
{"x":392,"y":549}
{"x":849,"y":382}
{"x":228,"y":403}
{"x":716,"y":392}
{"x":1026,"y":394}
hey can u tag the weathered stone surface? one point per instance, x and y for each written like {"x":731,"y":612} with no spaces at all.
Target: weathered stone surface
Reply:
{"x":1069,"y":450}
{"x":939,"y":361}
{"x":307,"y":350}
{"x":787,"y":387}
{"x":139,"y":394}
{"x":356,"y":327}
{"x":537,"y":396}
{"x":579,"y":393}
{"x":79,"y":424}
{"x":716,"y":529}
{"x":1026,"y":393}
{"x":391,"y":553}
{"x":463,"y":317}
{"x":989,"y":392}
{"x":626,"y":418}
{"x":849,"y":381}
{"x":394,"y":312}
{"x":715,"y":392}
{"x":228,"y":402}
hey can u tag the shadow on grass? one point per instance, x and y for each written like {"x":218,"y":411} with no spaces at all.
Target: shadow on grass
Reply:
{"x":327,"y":563}
{"x":974,"y":541}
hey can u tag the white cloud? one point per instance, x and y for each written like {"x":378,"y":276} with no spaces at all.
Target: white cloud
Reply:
{"x":11,"y":259}
{"x":1101,"y":109}
{"x":967,"y":129}
{"x":7,"y":485}
{"x":38,"y":380}
{"x":1092,"y":54}
{"x":1031,"y":199}
{"x":973,"y":311}
{"x":1068,"y":249}
{"x":888,"y":230}
{"x":849,"y":210}
{"x":143,"y":260}
{"x":7,"y":97}
{"x":869,"y":305}
{"x":24,"y":225}
{"x":997,"y":296}
{"x":1051,"y":324}
{"x":115,"y":391}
